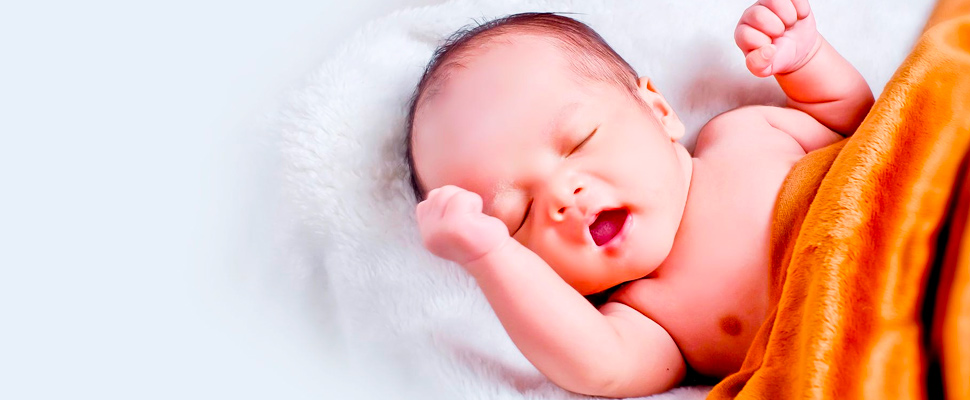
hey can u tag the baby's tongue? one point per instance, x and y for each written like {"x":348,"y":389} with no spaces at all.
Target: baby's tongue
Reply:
{"x":607,"y":225}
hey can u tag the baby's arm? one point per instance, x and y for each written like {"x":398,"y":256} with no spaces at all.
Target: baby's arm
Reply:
{"x":779,"y":37}
{"x":614,"y":351}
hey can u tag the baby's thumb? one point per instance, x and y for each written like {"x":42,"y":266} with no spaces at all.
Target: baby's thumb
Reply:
{"x":759,"y":60}
{"x":784,"y":58}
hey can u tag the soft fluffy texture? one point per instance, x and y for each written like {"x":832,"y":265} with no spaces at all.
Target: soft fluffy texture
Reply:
{"x":860,"y":228}
{"x":352,"y":255}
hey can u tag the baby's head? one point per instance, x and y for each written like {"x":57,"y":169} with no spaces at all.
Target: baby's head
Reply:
{"x":564,"y":143}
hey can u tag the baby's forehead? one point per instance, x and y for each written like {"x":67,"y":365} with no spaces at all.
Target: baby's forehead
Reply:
{"x":510,"y":36}
{"x":483,"y":48}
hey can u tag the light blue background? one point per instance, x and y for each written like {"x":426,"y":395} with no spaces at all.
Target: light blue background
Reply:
{"x":137,"y":195}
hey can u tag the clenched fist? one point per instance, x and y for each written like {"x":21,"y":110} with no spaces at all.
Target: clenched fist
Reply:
{"x":777,"y":36}
{"x":453,"y":226}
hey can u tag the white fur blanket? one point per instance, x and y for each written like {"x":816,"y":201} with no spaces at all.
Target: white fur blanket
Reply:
{"x":401,"y":317}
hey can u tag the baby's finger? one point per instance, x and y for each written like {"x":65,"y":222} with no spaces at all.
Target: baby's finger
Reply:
{"x":784,"y":9}
{"x":441,"y":197}
{"x":759,"y":61}
{"x":762,"y":19}
{"x":749,"y":39}
{"x":430,"y":193}
{"x":425,"y":205}
{"x":802,"y":8}
{"x":464,"y":203}
{"x":421,"y":209}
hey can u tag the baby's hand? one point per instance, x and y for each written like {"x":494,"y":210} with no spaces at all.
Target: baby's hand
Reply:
{"x":777,"y":36}
{"x":453,"y":226}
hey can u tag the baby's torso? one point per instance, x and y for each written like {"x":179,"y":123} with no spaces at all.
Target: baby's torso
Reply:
{"x":711,"y":294}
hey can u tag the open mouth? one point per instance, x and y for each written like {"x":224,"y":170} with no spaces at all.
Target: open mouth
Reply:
{"x":607,"y":225}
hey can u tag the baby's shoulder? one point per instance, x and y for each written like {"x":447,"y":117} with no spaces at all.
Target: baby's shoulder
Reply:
{"x":744,"y":132}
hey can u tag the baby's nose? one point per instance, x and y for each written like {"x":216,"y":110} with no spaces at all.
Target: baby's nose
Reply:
{"x":566,"y":206}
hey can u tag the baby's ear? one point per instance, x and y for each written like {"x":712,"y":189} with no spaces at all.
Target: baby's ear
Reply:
{"x":661,"y":109}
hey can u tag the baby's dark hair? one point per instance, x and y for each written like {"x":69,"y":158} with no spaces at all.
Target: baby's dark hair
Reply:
{"x":588,"y":55}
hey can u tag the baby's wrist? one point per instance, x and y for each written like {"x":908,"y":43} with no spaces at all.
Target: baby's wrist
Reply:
{"x":496,"y":257}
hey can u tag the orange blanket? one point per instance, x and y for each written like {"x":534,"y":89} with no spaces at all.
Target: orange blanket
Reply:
{"x":871,"y":250}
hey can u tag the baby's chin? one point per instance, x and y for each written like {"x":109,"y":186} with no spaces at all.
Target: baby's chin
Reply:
{"x":608,"y":283}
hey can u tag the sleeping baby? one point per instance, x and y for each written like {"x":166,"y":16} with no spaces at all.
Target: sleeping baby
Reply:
{"x":550,"y":171}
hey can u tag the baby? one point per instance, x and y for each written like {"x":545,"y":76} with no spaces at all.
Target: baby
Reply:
{"x":555,"y":173}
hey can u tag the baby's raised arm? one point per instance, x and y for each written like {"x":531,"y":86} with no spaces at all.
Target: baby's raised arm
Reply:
{"x":614,"y":351}
{"x":779,"y":37}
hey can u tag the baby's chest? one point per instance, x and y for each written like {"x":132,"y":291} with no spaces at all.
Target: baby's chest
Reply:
{"x":728,"y":221}
{"x":711,"y":304}
{"x":712,"y":293}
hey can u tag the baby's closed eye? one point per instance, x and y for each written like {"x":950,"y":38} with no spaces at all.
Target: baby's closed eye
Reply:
{"x":583,"y":143}
{"x":525,"y":216}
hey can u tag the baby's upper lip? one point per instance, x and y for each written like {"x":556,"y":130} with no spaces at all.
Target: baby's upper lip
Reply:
{"x":591,"y":217}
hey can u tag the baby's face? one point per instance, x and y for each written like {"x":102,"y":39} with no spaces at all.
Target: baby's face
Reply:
{"x":580,"y":172}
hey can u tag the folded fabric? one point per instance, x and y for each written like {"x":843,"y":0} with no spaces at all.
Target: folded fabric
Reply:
{"x":870,"y":247}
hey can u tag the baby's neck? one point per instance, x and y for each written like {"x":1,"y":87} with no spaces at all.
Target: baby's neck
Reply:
{"x":688,"y":164}
{"x":692,"y":167}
